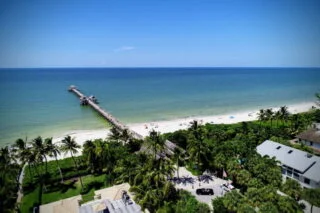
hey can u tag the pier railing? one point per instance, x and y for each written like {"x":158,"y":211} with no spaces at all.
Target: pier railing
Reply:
{"x":170,"y":147}
{"x":104,"y":113}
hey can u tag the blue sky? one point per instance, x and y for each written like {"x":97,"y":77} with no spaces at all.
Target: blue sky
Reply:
{"x":164,"y":33}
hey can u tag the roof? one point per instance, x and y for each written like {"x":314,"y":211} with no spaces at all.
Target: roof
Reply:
{"x":304,"y":162}
{"x":111,"y":199}
{"x":114,"y":192}
{"x":69,"y":205}
{"x":312,"y":135}
{"x":115,"y":206}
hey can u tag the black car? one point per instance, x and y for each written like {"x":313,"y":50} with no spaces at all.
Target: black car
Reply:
{"x":204,"y":191}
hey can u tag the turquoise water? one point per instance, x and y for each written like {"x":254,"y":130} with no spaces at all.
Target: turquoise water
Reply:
{"x":36,"y":101}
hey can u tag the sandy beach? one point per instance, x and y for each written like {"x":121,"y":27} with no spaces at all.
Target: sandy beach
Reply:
{"x":183,"y":123}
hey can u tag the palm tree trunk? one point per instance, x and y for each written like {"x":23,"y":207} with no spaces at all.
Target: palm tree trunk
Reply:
{"x":178,"y":168}
{"x":59,"y":169}
{"x":30,"y":173}
{"x":46,"y":163}
{"x":75,"y":163}
{"x":37,"y":171}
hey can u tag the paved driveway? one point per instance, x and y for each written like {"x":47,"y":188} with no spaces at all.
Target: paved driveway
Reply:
{"x":192,"y":187}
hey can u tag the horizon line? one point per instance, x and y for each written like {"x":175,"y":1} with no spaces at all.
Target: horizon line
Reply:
{"x":157,"y":67}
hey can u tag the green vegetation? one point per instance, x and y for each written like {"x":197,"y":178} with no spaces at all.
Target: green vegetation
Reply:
{"x":31,"y":199}
{"x":9,"y":171}
{"x":292,"y":188}
{"x":312,"y":196}
{"x":186,"y":203}
{"x":72,"y":188}
{"x":227,"y":150}
{"x":230,"y":150}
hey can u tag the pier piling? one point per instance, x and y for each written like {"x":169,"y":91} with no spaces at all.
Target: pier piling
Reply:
{"x":111,"y":119}
{"x":169,"y":146}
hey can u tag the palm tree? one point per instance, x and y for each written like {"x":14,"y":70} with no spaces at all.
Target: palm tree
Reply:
{"x":269,"y":115}
{"x":232,"y":200}
{"x":284,"y":113}
{"x":277,"y":116}
{"x":115,"y":134}
{"x":102,"y":154}
{"x":127,"y":168}
{"x":197,"y":149}
{"x":318,"y":98}
{"x":156,"y":142}
{"x":261,"y":115}
{"x":40,"y":151}
{"x":243,"y":177}
{"x":71,"y":146}
{"x":177,"y":156}
{"x":268,"y":207}
{"x":23,"y":153}
{"x":89,"y":153}
{"x":292,"y":188}
{"x":53,"y":150}
{"x":125,"y":135}
{"x":148,"y":198}
{"x":312,"y":197}
{"x":9,"y":182}
{"x":287,"y":204}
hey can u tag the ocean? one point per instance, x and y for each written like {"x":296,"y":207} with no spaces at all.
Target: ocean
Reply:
{"x":37,"y":102}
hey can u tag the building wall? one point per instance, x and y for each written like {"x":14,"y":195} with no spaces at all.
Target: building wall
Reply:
{"x":309,"y":143}
{"x":304,"y":182}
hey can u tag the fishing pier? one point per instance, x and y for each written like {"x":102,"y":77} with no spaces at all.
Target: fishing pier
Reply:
{"x":92,"y":101}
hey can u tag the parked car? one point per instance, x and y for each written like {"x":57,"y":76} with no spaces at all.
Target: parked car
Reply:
{"x":204,"y":191}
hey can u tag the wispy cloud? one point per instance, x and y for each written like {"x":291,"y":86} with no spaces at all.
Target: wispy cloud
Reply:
{"x":124,"y":48}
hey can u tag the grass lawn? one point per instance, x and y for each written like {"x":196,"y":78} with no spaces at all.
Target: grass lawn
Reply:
{"x":29,"y":200}
{"x":57,"y":191}
{"x":72,"y":188}
{"x":66,"y":165}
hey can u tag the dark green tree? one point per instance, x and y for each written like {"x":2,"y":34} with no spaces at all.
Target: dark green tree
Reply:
{"x":312,"y":196}
{"x":292,"y":188}
{"x":53,"y":150}
{"x":69,"y":145}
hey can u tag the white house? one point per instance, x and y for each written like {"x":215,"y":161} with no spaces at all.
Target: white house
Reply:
{"x":295,"y":164}
{"x":311,"y":137}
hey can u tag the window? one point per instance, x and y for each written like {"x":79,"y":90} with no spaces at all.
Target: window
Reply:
{"x":289,"y":173}
{"x":278,"y":147}
{"x":311,"y":143}
{"x":283,"y":170}
{"x":306,"y":181}
{"x":296,"y":176}
{"x":290,"y":151}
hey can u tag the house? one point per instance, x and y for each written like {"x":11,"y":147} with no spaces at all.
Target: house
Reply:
{"x":109,"y":200}
{"x":295,"y":164}
{"x":311,"y":137}
{"x":67,"y":205}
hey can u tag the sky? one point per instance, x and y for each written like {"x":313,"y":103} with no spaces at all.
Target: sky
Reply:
{"x":159,"y":33}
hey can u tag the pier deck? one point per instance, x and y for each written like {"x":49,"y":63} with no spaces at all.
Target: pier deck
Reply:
{"x":105,"y":114}
{"x":169,"y":146}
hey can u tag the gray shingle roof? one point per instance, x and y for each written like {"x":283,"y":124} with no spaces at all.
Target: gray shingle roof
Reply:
{"x":312,"y":135}
{"x":299,"y":160}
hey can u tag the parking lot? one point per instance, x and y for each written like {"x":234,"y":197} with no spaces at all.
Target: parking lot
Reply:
{"x":192,"y":184}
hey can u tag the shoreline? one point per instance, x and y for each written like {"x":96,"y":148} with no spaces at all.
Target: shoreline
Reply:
{"x":81,"y":136}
